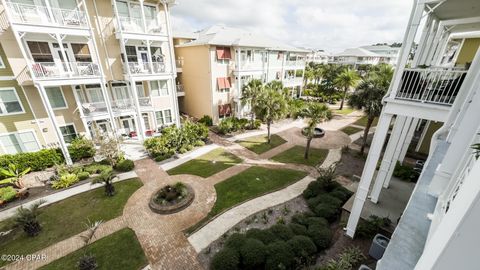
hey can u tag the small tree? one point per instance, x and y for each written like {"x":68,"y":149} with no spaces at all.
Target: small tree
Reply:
{"x":106,"y":177}
{"x":13,"y":175}
{"x":88,"y":261}
{"x":316,"y":113}
{"x":272,"y":106}
{"x":346,"y":80}
{"x":108,"y":148}
{"x":250,"y":95}
{"x":27,"y":218}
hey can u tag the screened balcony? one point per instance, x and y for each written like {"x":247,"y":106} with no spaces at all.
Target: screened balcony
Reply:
{"x":46,"y":70}
{"x":131,"y":19}
{"x":146,"y":68}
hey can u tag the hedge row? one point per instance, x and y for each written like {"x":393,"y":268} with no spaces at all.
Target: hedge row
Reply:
{"x":37,"y":161}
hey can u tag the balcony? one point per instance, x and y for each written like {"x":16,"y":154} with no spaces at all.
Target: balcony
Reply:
{"x":41,"y":15}
{"x":135,"y":25}
{"x":295,"y":63}
{"x":146,"y":68}
{"x":121,"y":105}
{"x":145,"y":101}
{"x":295,"y":81}
{"x":95,"y":108}
{"x":52,"y":70}
{"x":180,"y":90}
{"x":431,"y":85}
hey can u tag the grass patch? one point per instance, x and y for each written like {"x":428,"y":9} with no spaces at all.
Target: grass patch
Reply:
{"x":363,"y":122}
{"x":344,"y":111}
{"x":120,"y":251}
{"x":296,"y":155}
{"x":259,"y":145}
{"x":203,"y":166}
{"x":349,"y":130}
{"x":66,"y":218}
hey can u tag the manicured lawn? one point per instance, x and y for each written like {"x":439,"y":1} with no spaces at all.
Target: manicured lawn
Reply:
{"x":363,"y":122}
{"x":344,"y":111}
{"x":259,"y":145}
{"x":349,"y":130}
{"x":208,"y":164}
{"x":251,"y":183}
{"x":119,"y":251}
{"x":296,"y":155}
{"x":67,"y":218}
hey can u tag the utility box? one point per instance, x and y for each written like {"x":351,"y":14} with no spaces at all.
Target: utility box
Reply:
{"x":379,"y":244}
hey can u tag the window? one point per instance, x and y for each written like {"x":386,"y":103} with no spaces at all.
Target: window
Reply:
{"x":9,"y":102}
{"x":2,"y":64}
{"x":19,"y":142}
{"x":131,"y":53}
{"x":223,"y":55}
{"x":146,"y":121}
{"x":68,"y":133}
{"x":157,"y":55}
{"x":159,"y":117}
{"x":224,"y":84}
{"x":164,"y":117}
{"x":81,"y":52}
{"x":168,"y":116}
{"x":158,"y":88}
{"x":55,"y":96}
{"x":40,"y":51}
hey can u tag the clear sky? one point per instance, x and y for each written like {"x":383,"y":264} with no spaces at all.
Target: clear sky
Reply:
{"x":332,"y":25}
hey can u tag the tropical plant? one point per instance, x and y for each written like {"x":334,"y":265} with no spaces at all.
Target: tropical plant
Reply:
{"x":80,"y":148}
{"x":109,"y":149}
{"x":88,"y":261}
{"x":368,"y":97}
{"x":250,"y":93}
{"x":7,"y":194}
{"x":316,"y":113}
{"x":27,"y":218}
{"x":65,"y":180}
{"x":349,"y":258}
{"x":272,"y":106}
{"x":346,"y":80}
{"x":107,"y":178}
{"x":13,"y":175}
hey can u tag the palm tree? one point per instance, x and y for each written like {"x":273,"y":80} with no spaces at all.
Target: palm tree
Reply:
{"x":318,"y":73}
{"x":27,"y":218}
{"x":346,"y":80}
{"x":106,"y":177}
{"x":272,"y":106}
{"x":13,"y":175}
{"x":316,"y":113}
{"x":308,"y":75}
{"x":250,"y":94}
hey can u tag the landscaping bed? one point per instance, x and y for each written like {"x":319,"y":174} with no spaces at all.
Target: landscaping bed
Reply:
{"x":66,"y":218}
{"x":296,"y":155}
{"x":207,"y":165}
{"x":172,"y":198}
{"x":259,"y":144}
{"x":120,"y":251}
{"x":349,"y":130}
{"x":351,"y":163}
{"x":363,"y":122}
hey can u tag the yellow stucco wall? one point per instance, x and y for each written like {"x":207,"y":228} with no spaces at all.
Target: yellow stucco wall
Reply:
{"x":468,"y":51}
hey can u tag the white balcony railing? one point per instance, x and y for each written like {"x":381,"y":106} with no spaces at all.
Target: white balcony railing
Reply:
{"x":180,"y":88}
{"x":145,"y":101}
{"x":135,"y":25}
{"x":65,"y":69}
{"x":295,"y":63}
{"x":153,"y":27}
{"x":146,"y":67}
{"x":293,"y":81}
{"x":90,"y":109}
{"x":122,"y":105}
{"x":431,"y":85}
{"x":35,"y":14}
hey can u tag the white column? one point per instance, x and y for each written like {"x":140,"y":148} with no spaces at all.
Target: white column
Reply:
{"x":435,"y":44}
{"x":51,"y":115}
{"x":80,"y":111}
{"x":142,"y":11}
{"x":423,"y":39}
{"x":397,"y":152}
{"x":441,"y":49}
{"x":422,"y":136}
{"x":140,"y":123}
{"x":149,"y":53}
{"x":408,"y":139}
{"x":388,"y":157}
{"x":428,"y":44}
{"x":65,"y":61}
{"x":368,"y":171}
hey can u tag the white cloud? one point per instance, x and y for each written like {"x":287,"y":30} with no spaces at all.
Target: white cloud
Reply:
{"x":331,"y":25}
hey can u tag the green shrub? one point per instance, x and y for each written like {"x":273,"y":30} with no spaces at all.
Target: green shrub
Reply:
{"x":313,"y":189}
{"x":125,"y":165}
{"x":81,"y":148}
{"x":323,"y":198}
{"x":351,"y":257}
{"x":36,"y":161}
{"x":406,"y":173}
{"x":320,"y":221}
{"x":254,"y":125}
{"x":265,"y":236}
{"x":232,"y":124}
{"x":65,"y":180}
{"x":373,"y":225}
{"x":302,"y":218}
{"x":83,"y":175}
{"x":298,"y":229}
{"x":281,"y":231}
{"x":96,"y":168}
{"x":225,"y":259}
{"x":7,"y":194}
{"x":206,"y":120}
{"x":235,"y":241}
{"x":279,"y":256}
{"x":341,"y":193}
{"x":162,"y":158}
{"x":302,"y":247}
{"x":327,"y":211}
{"x":253,"y":254}
{"x":320,"y":235}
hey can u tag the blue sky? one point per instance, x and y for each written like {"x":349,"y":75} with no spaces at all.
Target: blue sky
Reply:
{"x":331,"y":25}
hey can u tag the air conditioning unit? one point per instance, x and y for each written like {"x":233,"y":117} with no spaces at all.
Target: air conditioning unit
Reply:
{"x":379,"y":244}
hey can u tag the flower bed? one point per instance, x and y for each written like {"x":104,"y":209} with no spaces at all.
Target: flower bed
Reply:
{"x":171,"y":199}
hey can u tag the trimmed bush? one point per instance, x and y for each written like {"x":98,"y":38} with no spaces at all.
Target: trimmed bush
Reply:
{"x":323,"y":198}
{"x":65,"y":180}
{"x":313,"y":189}
{"x":81,"y":148}
{"x":298,"y":229}
{"x":232,"y":124}
{"x":36,"y":161}
{"x":281,"y":231}
{"x":320,"y":221}
{"x":83,"y":175}
{"x":302,"y":246}
{"x":279,"y":256}
{"x":341,"y":193}
{"x":320,"y":235}
{"x":225,"y":259}
{"x":7,"y":194}
{"x":96,"y":168}
{"x":253,"y":254}
{"x":235,"y":241}
{"x":125,"y":165}
{"x":327,"y":211}
{"x":265,"y":236}
{"x":206,"y":120}
{"x":302,"y":218}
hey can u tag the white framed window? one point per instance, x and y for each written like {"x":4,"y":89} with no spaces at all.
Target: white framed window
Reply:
{"x":164,"y":117}
{"x":10,"y":102}
{"x":158,"y":88}
{"x":68,"y":132}
{"x":56,"y":98}
{"x":2,"y":64}
{"x":159,"y":118}
{"x":19,"y":142}
{"x":168,"y":116}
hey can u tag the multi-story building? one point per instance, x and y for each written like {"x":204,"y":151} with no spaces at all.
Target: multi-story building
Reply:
{"x":318,"y":57}
{"x":221,"y":60}
{"x":439,"y":226}
{"x":366,"y":55}
{"x":89,"y":67}
{"x":387,"y":54}
{"x":178,"y":39}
